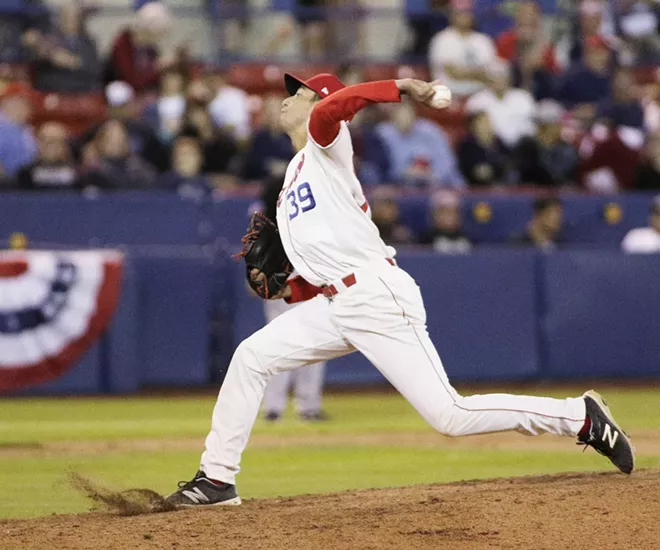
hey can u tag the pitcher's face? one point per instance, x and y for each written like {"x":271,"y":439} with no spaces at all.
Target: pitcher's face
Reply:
{"x":297,"y":108}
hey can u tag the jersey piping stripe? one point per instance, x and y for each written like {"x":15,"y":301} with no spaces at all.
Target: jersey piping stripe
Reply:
{"x":455,"y":404}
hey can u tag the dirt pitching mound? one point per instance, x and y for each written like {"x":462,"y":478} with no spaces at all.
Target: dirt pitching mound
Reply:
{"x":133,"y":502}
{"x":560,"y":512}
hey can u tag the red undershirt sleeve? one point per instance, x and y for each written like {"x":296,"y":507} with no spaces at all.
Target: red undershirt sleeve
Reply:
{"x":301,"y":290}
{"x":324,"y":122}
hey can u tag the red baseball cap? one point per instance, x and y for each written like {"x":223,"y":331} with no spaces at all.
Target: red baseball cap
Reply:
{"x":323,"y":84}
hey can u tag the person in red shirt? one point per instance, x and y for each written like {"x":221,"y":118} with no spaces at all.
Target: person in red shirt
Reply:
{"x":532,"y":57}
{"x":135,"y":57}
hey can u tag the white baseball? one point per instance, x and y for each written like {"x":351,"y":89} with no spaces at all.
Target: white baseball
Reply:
{"x":441,"y":98}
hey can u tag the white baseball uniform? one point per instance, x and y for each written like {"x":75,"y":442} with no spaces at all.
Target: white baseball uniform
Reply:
{"x":307,"y":381}
{"x":378,"y":310}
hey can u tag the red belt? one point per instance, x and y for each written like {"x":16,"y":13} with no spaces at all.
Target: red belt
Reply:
{"x":331,"y":290}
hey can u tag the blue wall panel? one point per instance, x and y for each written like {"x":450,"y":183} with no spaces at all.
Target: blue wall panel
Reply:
{"x":602,"y":314}
{"x":481,"y":312}
{"x":175,"y":302}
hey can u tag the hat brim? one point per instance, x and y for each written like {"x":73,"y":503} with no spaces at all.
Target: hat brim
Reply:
{"x":292,"y":83}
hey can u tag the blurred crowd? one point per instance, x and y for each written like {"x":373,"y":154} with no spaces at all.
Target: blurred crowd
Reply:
{"x":539,"y":112}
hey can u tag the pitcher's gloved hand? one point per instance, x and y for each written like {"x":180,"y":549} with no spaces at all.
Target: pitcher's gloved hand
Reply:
{"x":266,"y":263}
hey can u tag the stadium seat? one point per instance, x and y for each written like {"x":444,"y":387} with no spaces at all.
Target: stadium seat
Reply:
{"x":76,"y":111}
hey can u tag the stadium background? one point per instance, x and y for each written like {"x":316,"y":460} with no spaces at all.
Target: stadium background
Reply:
{"x":502,"y":312}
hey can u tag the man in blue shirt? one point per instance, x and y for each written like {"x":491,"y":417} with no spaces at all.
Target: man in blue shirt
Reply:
{"x":18,"y":147}
{"x":420,"y":153}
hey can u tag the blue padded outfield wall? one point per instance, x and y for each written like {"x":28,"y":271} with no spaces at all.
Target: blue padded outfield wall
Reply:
{"x":495,"y":314}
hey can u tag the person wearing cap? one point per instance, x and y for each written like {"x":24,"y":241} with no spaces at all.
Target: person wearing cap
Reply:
{"x":459,"y":55}
{"x":545,"y":159}
{"x":446,"y":234}
{"x":511,"y":110}
{"x":123,"y":106}
{"x":18,"y":147}
{"x":645,"y":240}
{"x":355,"y":297}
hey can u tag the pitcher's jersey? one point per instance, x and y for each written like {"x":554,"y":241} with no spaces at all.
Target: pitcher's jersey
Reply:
{"x":322,"y":213}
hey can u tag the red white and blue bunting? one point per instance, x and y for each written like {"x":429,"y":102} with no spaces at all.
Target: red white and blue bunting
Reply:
{"x":53,"y":307}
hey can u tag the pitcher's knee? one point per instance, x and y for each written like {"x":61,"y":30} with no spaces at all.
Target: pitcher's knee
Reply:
{"x":451,"y":421}
{"x":247,"y":355}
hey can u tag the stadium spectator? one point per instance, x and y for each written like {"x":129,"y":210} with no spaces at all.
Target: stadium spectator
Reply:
{"x":122,"y":106}
{"x":651,"y":103}
{"x":424,"y":25}
{"x":511,"y":110}
{"x":459,"y":55}
{"x":313,"y":22}
{"x":647,"y":177}
{"x":370,"y":154}
{"x":13,"y":23}
{"x":113,"y":165}
{"x":270,"y":150}
{"x":186,"y":175}
{"x":645,"y":240}
{"x":482,"y":156}
{"x":638,"y":24}
{"x":385,"y":215}
{"x":220,"y":148}
{"x":585,"y":84}
{"x":53,"y":168}
{"x":530,"y":54}
{"x":166,"y":113}
{"x":593,"y":22}
{"x":18,"y":147}
{"x":65,"y":58}
{"x":420,"y":153}
{"x":446,"y":232}
{"x":229,"y":107}
{"x":623,"y":108}
{"x":545,"y":159}
{"x":135,"y":56}
{"x":544,"y":229}
{"x":609,"y":157}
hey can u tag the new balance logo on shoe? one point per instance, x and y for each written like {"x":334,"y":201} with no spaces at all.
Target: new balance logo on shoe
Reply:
{"x":196,"y":495}
{"x":610,"y":435}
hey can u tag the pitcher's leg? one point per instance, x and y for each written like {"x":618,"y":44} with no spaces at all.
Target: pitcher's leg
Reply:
{"x":398,"y":344}
{"x":299,"y":337}
{"x":277,"y":392}
{"x":308,"y":388}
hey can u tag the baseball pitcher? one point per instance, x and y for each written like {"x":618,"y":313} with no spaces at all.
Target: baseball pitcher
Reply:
{"x":355,"y":298}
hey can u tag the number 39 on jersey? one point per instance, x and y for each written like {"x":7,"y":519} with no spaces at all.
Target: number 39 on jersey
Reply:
{"x":301,"y":200}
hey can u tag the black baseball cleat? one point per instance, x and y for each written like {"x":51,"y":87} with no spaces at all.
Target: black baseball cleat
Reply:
{"x":605,"y":435}
{"x":271,"y":416}
{"x":201,"y":491}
